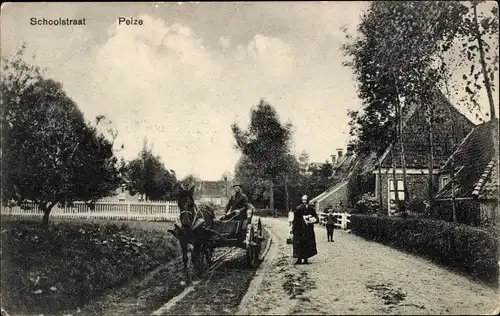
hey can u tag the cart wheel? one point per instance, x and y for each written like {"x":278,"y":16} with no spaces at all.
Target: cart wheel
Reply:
{"x":251,"y":254}
{"x":260,"y":238}
{"x":260,"y":231}
{"x":255,"y":245}
{"x":210,"y":254}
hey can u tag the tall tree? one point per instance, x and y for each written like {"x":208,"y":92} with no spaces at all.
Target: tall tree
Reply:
{"x":192,"y":180}
{"x":266,"y":143}
{"x":303,"y":161}
{"x":50,"y":155}
{"x":394,"y":58}
{"x":252,"y":181}
{"x":227,"y":178}
{"x":148,"y":176}
{"x":480,"y":41}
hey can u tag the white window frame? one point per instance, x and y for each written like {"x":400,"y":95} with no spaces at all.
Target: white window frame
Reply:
{"x":390,"y":191}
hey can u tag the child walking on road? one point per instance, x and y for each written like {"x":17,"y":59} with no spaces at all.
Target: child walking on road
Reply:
{"x":330,"y":225}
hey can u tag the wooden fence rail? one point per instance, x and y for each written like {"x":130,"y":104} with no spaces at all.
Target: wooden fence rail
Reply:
{"x":342,"y":219}
{"x":104,"y":210}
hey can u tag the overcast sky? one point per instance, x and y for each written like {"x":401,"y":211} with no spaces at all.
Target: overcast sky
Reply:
{"x":191,"y":70}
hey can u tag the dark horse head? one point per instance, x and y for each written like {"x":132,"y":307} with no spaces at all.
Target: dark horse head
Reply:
{"x":187,"y":207}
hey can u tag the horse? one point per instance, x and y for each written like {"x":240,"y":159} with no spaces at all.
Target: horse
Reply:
{"x":196,"y":228}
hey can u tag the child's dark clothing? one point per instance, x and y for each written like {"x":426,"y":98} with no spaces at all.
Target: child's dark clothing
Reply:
{"x":330,"y":225}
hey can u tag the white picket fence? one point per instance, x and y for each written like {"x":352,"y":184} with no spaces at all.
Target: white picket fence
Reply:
{"x":342,"y":219}
{"x":126,"y":210}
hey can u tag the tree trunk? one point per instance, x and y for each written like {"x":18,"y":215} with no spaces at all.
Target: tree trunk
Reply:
{"x":394,"y":179}
{"x":287,"y":202}
{"x":401,"y":143}
{"x":403,"y":162}
{"x":453,"y":206}
{"x":46,"y":208}
{"x":453,"y":201}
{"x":380,"y":185}
{"x":430,"y":180}
{"x":487,"y":82}
{"x":271,"y":195}
{"x":453,"y":144}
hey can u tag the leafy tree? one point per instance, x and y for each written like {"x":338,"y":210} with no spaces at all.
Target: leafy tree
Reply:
{"x":49,"y":154}
{"x":227,"y":178}
{"x":320,"y":179}
{"x":148,"y":176}
{"x":303,"y":162}
{"x":395,"y":59}
{"x":292,"y":181}
{"x":478,"y":36}
{"x":192,"y":180}
{"x":254,"y":185}
{"x":266,"y":143}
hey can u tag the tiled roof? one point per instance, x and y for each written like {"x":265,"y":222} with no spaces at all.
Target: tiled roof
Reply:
{"x":344,"y":166}
{"x":325,"y":194}
{"x":471,"y":162}
{"x":487,"y":186}
{"x":415,"y":134}
{"x":362,"y":163}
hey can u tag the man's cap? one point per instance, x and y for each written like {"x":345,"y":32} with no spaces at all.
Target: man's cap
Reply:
{"x":304,"y":197}
{"x":237,"y":185}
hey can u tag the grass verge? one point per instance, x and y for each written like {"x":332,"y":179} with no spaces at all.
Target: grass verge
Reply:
{"x":48,"y":271}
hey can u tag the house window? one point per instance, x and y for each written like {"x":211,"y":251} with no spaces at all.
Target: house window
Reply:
{"x":444,"y":181}
{"x":392,"y":192}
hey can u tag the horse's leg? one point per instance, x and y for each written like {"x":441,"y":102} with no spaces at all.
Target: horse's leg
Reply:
{"x":209,"y":253}
{"x":183,"y":243}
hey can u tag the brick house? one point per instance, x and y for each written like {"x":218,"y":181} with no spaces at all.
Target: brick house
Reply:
{"x":363,"y":174}
{"x":450,"y":127}
{"x":474,"y":171}
{"x":336,"y":195}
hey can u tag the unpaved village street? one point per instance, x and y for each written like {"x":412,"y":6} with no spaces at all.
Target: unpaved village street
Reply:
{"x":355,"y":276}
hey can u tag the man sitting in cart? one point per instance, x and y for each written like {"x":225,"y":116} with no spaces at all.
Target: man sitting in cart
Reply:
{"x":237,"y":207}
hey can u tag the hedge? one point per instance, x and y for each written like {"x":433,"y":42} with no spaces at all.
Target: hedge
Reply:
{"x":464,"y":247}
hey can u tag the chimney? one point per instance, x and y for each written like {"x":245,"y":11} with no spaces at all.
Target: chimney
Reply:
{"x":349,"y":151}
{"x":334,"y":157}
{"x":339,"y":153}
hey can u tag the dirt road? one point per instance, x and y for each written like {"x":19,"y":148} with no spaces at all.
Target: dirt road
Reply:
{"x":355,"y":276}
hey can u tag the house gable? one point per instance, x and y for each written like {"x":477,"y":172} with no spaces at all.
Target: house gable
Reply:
{"x":473,"y":163}
{"x":450,"y":127}
{"x":342,"y":169}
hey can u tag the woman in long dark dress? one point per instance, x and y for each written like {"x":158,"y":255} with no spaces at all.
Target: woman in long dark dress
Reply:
{"x":304,"y":238}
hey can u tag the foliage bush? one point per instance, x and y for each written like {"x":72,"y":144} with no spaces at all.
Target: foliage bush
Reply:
{"x":460,"y":246}
{"x":368,"y":204}
{"x":66,"y":265}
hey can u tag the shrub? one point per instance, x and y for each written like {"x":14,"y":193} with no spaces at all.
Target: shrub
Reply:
{"x":460,"y":246}
{"x":368,"y":204}
{"x":66,"y":265}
